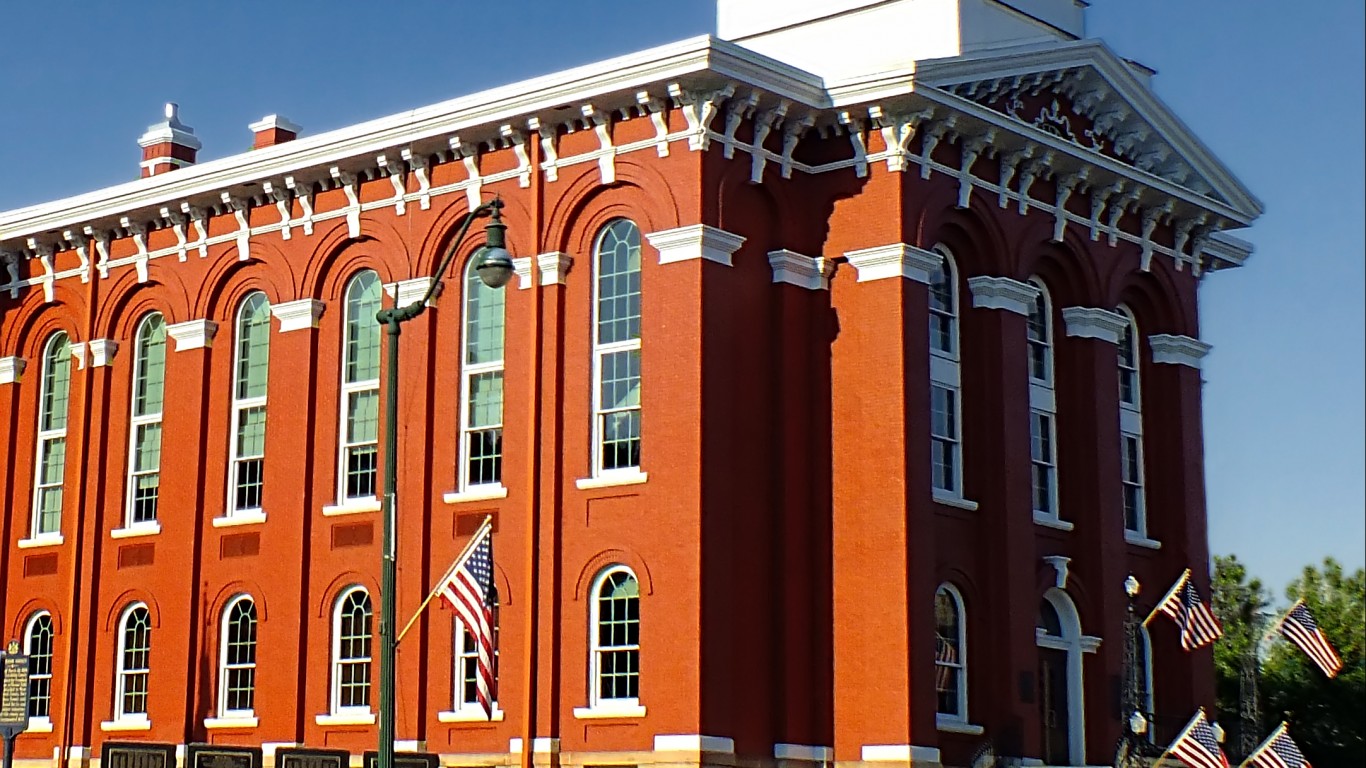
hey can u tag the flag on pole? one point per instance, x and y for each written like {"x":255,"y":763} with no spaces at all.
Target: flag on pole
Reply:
{"x":1299,"y":627}
{"x":1197,"y":745}
{"x":468,"y":588}
{"x":1278,"y":751}
{"x":1199,"y":627}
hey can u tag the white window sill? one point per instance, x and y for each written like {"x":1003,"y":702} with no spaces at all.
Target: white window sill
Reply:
{"x":233,"y":721}
{"x":39,"y":725}
{"x":1139,"y":540}
{"x":950,"y":499}
{"x":140,"y":723}
{"x":606,"y":711}
{"x":949,"y":724}
{"x":346,"y":718}
{"x":41,"y":540}
{"x":1049,"y":521}
{"x":135,"y":530}
{"x":352,"y":507}
{"x":249,"y":517}
{"x":476,"y":493}
{"x":612,"y":479}
{"x":475,"y":715}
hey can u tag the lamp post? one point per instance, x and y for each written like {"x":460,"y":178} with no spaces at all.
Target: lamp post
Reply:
{"x":495,"y":269}
{"x":1133,"y":745}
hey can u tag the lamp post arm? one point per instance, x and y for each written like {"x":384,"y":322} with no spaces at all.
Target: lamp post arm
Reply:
{"x":404,"y":314}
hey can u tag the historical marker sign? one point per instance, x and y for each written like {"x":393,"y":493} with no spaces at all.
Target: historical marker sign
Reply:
{"x":14,"y":691}
{"x":219,"y":756}
{"x":312,"y":758}
{"x":118,"y":754}
{"x":404,"y":760}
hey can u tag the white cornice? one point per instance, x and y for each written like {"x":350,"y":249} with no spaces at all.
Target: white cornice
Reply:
{"x":192,"y":334}
{"x":699,"y":241}
{"x":1002,"y":293}
{"x":406,"y":292}
{"x":809,"y":272}
{"x":693,"y":742}
{"x":1178,"y":350}
{"x":12,"y":369}
{"x":1094,"y":323}
{"x":554,"y":268}
{"x":298,"y":315}
{"x":896,"y":260}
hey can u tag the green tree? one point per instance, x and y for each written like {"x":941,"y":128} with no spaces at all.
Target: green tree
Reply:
{"x":1241,"y":603}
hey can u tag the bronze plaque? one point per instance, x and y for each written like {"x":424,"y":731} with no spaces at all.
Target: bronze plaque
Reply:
{"x":122,"y":754}
{"x":14,"y":697}
{"x":220,"y":756}
{"x":294,"y":757}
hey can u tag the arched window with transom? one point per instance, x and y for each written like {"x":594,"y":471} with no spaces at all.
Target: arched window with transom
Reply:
{"x":149,"y":384}
{"x":615,"y":639}
{"x":133,"y":663}
{"x":1043,"y":433}
{"x":616,"y":349}
{"x":481,"y":405}
{"x":1131,"y":428}
{"x":38,"y":648}
{"x":351,"y":652}
{"x":237,"y":659}
{"x":358,"y":462}
{"x":251,"y":367}
{"x":950,"y":654}
{"x":946,"y":394}
{"x":50,"y":456}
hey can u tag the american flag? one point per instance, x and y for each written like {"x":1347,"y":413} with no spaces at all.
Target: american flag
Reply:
{"x":1278,"y":751}
{"x":1199,"y":627}
{"x":1197,"y":746}
{"x":467,"y":589}
{"x":1299,"y":627}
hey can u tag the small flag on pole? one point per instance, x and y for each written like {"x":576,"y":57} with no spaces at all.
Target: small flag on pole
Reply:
{"x":1197,"y":745}
{"x":1199,"y":627}
{"x":1278,"y":751}
{"x":467,"y":589}
{"x":1299,"y":627}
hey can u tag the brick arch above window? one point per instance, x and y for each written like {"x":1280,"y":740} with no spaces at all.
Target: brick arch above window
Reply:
{"x":641,"y":194}
{"x":339,"y":585}
{"x":333,"y":263}
{"x":31,"y":608}
{"x":235,"y":589}
{"x":606,"y":559}
{"x":128,"y":598}
{"x":230,"y":281}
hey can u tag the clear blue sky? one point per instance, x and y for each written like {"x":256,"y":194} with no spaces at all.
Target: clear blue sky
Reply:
{"x":1275,"y":89}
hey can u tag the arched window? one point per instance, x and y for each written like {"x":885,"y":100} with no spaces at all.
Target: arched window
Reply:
{"x":50,"y":457}
{"x":467,"y":663}
{"x":950,"y":654}
{"x":615,"y":639}
{"x":134,"y":663}
{"x":1042,"y":407}
{"x":351,"y":641}
{"x":616,"y":349}
{"x":358,"y":462}
{"x":237,"y":659}
{"x":944,"y":306}
{"x":1040,"y":330}
{"x":946,"y":416}
{"x":248,"y":436}
{"x":149,"y":382}
{"x":481,"y":411}
{"x":1131,"y":428}
{"x":38,"y":648}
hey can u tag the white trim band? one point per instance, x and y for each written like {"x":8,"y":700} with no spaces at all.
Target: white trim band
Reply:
{"x":297,"y":315}
{"x":192,"y":334}
{"x":803,"y":752}
{"x":1002,"y":293}
{"x":809,"y":272}
{"x":1178,"y":350}
{"x":1094,"y":323}
{"x":12,"y":369}
{"x":694,"y":742}
{"x":896,"y":260}
{"x":699,"y":241}
{"x":899,"y":753}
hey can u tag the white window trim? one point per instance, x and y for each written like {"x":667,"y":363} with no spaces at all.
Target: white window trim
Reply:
{"x":1131,"y":326}
{"x":1047,"y":343}
{"x":468,"y":371}
{"x":469,"y":708}
{"x":960,"y":608}
{"x":597,"y":706}
{"x":135,"y":422}
{"x":224,"y":713}
{"x":121,"y":672}
{"x":954,"y":496}
{"x":950,"y":267}
{"x":601,"y":351}
{"x":337,"y":714}
{"x":1051,"y":514}
{"x":240,"y":405}
{"x":345,"y":502}
{"x":28,"y":651}
{"x":41,"y":540}
{"x":1139,"y":534}
{"x":1075,"y":644}
{"x":945,"y":372}
{"x":45,"y":437}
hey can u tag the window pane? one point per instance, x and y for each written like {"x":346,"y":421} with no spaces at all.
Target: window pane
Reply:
{"x":483,"y":319}
{"x":621,"y":380}
{"x":56,"y":384}
{"x":39,"y":650}
{"x":135,"y":661}
{"x":362,"y":330}
{"x":618,"y":637}
{"x":151,"y":367}
{"x":253,"y":347}
{"x":618,"y":281}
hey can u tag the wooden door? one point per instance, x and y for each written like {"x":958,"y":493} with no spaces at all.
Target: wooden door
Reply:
{"x":1054,"y":714}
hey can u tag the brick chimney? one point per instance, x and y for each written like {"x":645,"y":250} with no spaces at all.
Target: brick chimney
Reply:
{"x":271,"y":130}
{"x":168,"y":145}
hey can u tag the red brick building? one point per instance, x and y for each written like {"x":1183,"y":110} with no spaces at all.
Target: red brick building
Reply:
{"x":836,"y":397}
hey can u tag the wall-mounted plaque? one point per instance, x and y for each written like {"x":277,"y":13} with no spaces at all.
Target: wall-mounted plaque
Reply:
{"x":14,"y":690}
{"x":122,"y":754}
{"x":221,"y":756}
{"x":298,"y":757}
{"x":404,"y":760}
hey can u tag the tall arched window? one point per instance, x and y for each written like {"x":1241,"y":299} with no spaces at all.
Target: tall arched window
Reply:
{"x":615,"y":639}
{"x":358,"y":462}
{"x":481,"y":411}
{"x":351,"y":647}
{"x":38,"y":648}
{"x":134,"y":663}
{"x":616,"y":349}
{"x":237,"y":659}
{"x":1042,"y":406}
{"x":467,"y":663}
{"x":50,"y":457}
{"x":149,"y":382}
{"x":248,"y":436}
{"x":946,"y":417}
{"x":950,"y":654}
{"x":1040,"y":329}
{"x":1131,"y":428}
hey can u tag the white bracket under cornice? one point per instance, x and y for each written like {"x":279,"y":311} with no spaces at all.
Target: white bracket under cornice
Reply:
{"x":241,"y":210}
{"x":138,"y":231}
{"x":350,"y":185}
{"x":1178,"y":350}
{"x":421,"y":166}
{"x":469,"y":157}
{"x":1002,"y":293}
{"x":192,"y":334}
{"x":517,"y":140}
{"x":394,"y":169}
{"x":199,"y":217}
{"x":896,"y":260}
{"x":80,"y":242}
{"x":12,"y":369}
{"x":177,"y":220}
{"x":700,"y":109}
{"x":699,"y":241}
{"x":1094,"y":323}
{"x":554,"y":267}
{"x":102,"y":352}
{"x":408,"y":292}
{"x":11,"y":262}
{"x":303,"y":193}
{"x":659,"y":117}
{"x":1059,"y":563}
{"x":601,"y":124}
{"x":45,"y":252}
{"x":809,"y":272}
{"x":280,"y":198}
{"x":297,"y":315}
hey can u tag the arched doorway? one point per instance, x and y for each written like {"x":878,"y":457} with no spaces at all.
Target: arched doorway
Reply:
{"x":1061,"y":705}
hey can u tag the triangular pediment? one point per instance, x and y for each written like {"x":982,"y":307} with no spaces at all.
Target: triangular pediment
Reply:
{"x":1084,"y":94}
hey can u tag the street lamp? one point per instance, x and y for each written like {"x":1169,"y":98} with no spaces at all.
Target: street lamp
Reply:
{"x":494,"y":269}
{"x":1133,"y":747}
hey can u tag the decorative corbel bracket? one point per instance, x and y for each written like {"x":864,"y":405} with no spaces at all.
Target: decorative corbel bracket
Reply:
{"x":607,"y":154}
{"x":517,"y":140}
{"x":897,"y":133}
{"x":80,"y":242}
{"x":45,"y":251}
{"x":138,"y":231}
{"x":736,"y":111}
{"x":1182,"y":233}
{"x":303,"y":192}
{"x":793,"y":130}
{"x":421,"y":171}
{"x":972,"y":149}
{"x":280,"y":198}
{"x":1031,"y":171}
{"x":1151,"y":218}
{"x":933,"y":135}
{"x":474,"y":188}
{"x":764,"y":123}
{"x":1117,"y":211}
{"x":395,"y":170}
{"x":699,"y":109}
{"x":1066,"y":186}
{"x":659,"y":116}
{"x":855,"y":127}
{"x":550,"y":154}
{"x":11,"y":261}
{"x":241,"y":210}
{"x":177,"y":221}
{"x":199,"y":217}
{"x":1010,"y":165}
{"x":101,"y":249}
{"x":350,"y":185}
{"x":1099,"y":197}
